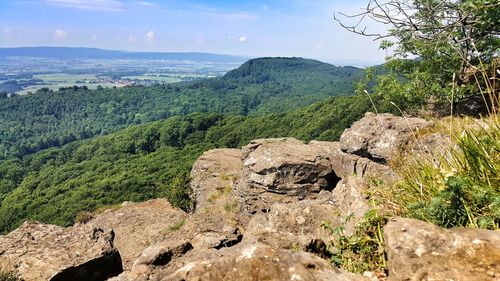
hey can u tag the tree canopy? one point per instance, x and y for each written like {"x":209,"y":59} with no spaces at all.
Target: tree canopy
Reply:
{"x":436,"y":46}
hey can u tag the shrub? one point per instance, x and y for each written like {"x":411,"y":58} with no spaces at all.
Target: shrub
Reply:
{"x":84,"y":217}
{"x":364,"y":249}
{"x":460,"y":191}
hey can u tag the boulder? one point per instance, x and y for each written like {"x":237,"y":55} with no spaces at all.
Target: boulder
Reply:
{"x":139,"y":225}
{"x":292,"y":226}
{"x":262,"y":262}
{"x":345,"y":165}
{"x":378,"y":136}
{"x":217,"y":219}
{"x":298,"y":225}
{"x":39,"y":251}
{"x":282,"y":170}
{"x":156,"y":259}
{"x":213,"y":174}
{"x":417,"y":250}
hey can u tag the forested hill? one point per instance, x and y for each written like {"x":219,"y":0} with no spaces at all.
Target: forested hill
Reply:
{"x":49,"y":119}
{"x":150,"y":160}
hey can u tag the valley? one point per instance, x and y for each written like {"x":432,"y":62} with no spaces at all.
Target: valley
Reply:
{"x":26,"y":70}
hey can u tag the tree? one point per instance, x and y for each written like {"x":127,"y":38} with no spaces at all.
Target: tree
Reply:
{"x":436,"y":44}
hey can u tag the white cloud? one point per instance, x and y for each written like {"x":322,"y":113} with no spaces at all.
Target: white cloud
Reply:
{"x":132,"y":39}
{"x":106,"y":5}
{"x":60,"y":34}
{"x":94,"y":37}
{"x":242,"y":39}
{"x":150,"y":36}
{"x":146,"y":4}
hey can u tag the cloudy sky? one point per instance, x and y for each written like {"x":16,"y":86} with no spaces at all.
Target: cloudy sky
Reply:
{"x":252,"y":28}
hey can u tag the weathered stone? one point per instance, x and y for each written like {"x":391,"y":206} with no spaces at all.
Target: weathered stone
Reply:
{"x":378,"y":136}
{"x":291,"y":225}
{"x":350,"y":199}
{"x":150,"y":265}
{"x":282,"y":170}
{"x":47,"y":252}
{"x":421,"y":251}
{"x":216,"y":240}
{"x":213,"y":174}
{"x":138,"y":225}
{"x":298,"y":224}
{"x":345,"y":165}
{"x":261,"y":262}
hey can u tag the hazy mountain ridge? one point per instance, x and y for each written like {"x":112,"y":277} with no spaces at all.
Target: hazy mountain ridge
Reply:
{"x":94,"y":53}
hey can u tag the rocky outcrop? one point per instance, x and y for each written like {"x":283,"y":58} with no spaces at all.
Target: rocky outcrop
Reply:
{"x":217,"y":219}
{"x":282,"y":170}
{"x":262,"y":262}
{"x":152,"y":264}
{"x":421,"y":251}
{"x":299,"y":224}
{"x":258,"y":212}
{"x":139,"y":225}
{"x":346,"y":165}
{"x":378,"y":136}
{"x":39,"y":251}
{"x":215,"y":174}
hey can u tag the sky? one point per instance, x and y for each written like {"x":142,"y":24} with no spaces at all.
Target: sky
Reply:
{"x":254,"y":28}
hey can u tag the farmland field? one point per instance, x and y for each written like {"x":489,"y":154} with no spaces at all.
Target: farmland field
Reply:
{"x":32,"y":74}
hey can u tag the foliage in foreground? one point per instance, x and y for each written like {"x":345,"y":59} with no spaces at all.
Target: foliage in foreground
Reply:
{"x":8,"y":276}
{"x":462,"y":190}
{"x":364,"y":249}
{"x":148,"y":161}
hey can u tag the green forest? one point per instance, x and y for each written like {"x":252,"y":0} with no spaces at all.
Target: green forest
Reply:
{"x":151,"y":160}
{"x":49,"y":118}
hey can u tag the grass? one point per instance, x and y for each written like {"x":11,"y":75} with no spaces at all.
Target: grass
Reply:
{"x":86,"y":216}
{"x":458,"y":187}
{"x":8,"y":276}
{"x":231,"y":207}
{"x":174,"y":227}
{"x":364,"y":249}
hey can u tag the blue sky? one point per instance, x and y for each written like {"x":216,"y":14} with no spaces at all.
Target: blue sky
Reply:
{"x":253,"y":28}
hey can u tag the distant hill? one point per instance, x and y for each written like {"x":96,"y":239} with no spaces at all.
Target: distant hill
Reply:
{"x":49,"y":119}
{"x":93,"y":53}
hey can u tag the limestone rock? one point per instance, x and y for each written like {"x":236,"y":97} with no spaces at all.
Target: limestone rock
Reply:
{"x":350,"y":199}
{"x":293,"y":225}
{"x":345,"y":165}
{"x":262,"y":262}
{"x":47,"y":252}
{"x":282,"y":170}
{"x":150,"y":265}
{"x":378,"y":136}
{"x":213,"y":174}
{"x":139,"y":225}
{"x":299,"y":224}
{"x":422,"y":251}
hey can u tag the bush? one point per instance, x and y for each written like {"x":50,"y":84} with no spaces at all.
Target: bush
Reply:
{"x":84,"y":217}
{"x":362,"y":251}
{"x":462,"y":191}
